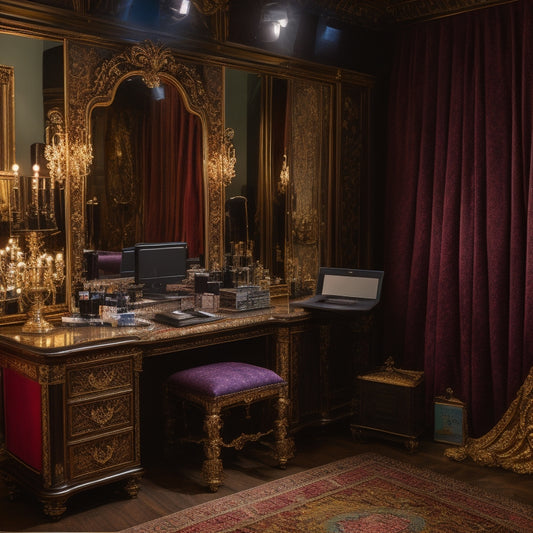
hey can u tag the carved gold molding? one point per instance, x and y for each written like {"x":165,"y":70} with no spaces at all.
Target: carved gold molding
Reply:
{"x":210,"y":7}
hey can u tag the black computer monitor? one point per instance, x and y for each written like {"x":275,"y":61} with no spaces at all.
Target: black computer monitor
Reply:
{"x":127,"y":263}
{"x":160,"y":264}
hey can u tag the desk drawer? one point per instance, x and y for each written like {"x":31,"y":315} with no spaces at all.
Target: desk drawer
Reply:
{"x":99,"y":378}
{"x":100,"y":415}
{"x":98,"y":455}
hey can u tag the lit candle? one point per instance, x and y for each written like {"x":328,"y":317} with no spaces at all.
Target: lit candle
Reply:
{"x":35,"y":185}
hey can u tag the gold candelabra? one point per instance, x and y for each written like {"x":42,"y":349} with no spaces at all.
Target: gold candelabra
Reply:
{"x":11,"y":258}
{"x":40,"y":275}
{"x":284,"y":175}
{"x":225,"y":159}
{"x":78,"y":154}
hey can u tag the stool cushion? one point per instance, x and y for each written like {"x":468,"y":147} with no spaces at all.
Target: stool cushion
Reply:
{"x":218,"y":379}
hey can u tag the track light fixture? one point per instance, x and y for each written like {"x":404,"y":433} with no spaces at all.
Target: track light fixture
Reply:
{"x":273,"y":18}
{"x":175,"y":9}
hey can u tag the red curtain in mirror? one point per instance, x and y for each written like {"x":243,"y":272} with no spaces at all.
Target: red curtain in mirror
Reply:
{"x":173,"y":188}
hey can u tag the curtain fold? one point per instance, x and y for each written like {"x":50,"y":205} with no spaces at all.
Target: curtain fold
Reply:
{"x":173,"y":191}
{"x":458,"y":251}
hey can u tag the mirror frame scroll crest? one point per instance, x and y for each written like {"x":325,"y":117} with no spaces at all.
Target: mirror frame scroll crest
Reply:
{"x":93,"y":77}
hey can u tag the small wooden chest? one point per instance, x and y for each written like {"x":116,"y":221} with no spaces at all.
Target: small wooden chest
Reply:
{"x":390,"y":403}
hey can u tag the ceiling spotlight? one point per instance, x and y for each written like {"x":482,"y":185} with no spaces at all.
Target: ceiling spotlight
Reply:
{"x":158,"y":92}
{"x":269,"y":31}
{"x":179,"y":9}
{"x":273,"y":18}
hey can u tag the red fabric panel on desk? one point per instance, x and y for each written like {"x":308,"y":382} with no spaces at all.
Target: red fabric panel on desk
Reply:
{"x":22,"y":406}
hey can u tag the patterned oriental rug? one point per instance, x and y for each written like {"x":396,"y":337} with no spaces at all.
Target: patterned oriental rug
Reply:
{"x":363,"y":494}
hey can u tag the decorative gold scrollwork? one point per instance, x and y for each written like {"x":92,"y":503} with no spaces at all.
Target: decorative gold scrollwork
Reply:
{"x":306,"y":227}
{"x":239,"y":442}
{"x":103,"y":455}
{"x":102,"y":415}
{"x":102,"y":381}
{"x":210,"y":7}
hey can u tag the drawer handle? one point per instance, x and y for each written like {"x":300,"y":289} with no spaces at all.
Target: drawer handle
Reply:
{"x":101,"y":415}
{"x":101,"y":382}
{"x":102,"y":456}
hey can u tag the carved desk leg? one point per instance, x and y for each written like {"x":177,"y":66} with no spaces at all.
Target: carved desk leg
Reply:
{"x":132,"y":486}
{"x":325,"y":396}
{"x":284,"y":446}
{"x":13,"y":489}
{"x":54,"y":508}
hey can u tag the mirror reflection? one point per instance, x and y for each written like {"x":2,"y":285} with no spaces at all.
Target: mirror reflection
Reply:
{"x":31,"y":110}
{"x":282,"y":135}
{"x":243,"y":116}
{"x":256,"y":109}
{"x":147,"y":179}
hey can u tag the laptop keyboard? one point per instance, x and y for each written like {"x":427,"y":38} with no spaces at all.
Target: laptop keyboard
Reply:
{"x":339,"y":301}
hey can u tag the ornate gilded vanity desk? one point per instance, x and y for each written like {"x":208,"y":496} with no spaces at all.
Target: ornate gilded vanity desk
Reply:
{"x":77,"y":389}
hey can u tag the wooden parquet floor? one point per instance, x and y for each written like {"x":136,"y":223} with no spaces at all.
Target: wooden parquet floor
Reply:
{"x":169,"y":487}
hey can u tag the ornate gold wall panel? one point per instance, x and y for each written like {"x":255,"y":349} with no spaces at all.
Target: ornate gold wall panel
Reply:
{"x":353,"y":170}
{"x":310,"y":161}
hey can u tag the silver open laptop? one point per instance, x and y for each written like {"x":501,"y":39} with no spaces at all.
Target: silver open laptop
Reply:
{"x":345,"y":289}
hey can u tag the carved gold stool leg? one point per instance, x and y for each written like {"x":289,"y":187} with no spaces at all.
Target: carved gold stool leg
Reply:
{"x":283,"y":445}
{"x":212,"y":469}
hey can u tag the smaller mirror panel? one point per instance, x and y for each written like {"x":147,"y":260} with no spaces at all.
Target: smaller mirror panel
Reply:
{"x":7,"y":144}
{"x":283,"y":130}
{"x":31,"y":111}
{"x":243,"y":115}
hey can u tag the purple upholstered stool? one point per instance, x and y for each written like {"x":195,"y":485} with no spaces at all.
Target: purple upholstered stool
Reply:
{"x":224,"y":385}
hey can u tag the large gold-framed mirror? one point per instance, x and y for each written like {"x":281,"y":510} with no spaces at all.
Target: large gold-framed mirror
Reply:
{"x":96,"y":76}
{"x":32,"y":116}
{"x":147,"y":178}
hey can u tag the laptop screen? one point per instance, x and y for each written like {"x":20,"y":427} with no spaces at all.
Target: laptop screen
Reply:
{"x":349,"y":287}
{"x":350,"y":283}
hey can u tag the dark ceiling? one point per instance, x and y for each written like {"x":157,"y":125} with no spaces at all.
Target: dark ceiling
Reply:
{"x":372,"y":13}
{"x":354,"y":34}
{"x":384,"y":13}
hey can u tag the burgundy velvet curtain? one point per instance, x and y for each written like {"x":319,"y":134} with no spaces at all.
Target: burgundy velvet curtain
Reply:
{"x":458,"y":296}
{"x":173,"y":192}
